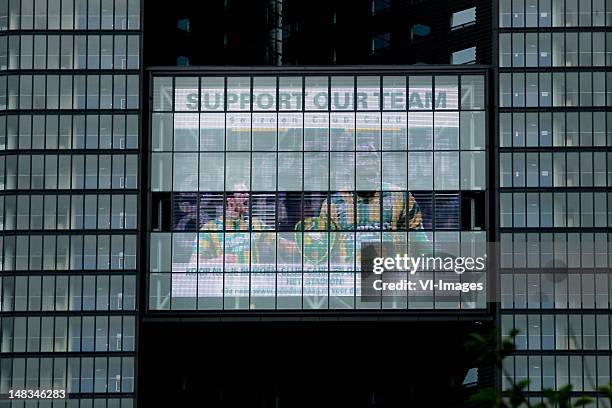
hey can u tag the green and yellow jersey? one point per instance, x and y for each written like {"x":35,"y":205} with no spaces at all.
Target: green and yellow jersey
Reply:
{"x":238,"y":246}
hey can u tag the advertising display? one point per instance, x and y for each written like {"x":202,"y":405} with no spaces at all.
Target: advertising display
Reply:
{"x":272,"y":185}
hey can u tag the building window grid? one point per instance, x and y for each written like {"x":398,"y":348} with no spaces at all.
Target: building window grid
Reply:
{"x":62,"y":16}
{"x":566,"y":334}
{"x":592,"y":370}
{"x":550,"y":49}
{"x":570,"y":291}
{"x":60,"y":334}
{"x":594,"y":210}
{"x":65,"y":293}
{"x":555,"y":169}
{"x":68,"y":132}
{"x":561,"y":249}
{"x":120,"y":52}
{"x":169,"y":108}
{"x":68,"y":374}
{"x":27,"y":92}
{"x":80,"y":252}
{"x":516,"y":93}
{"x":105,"y":172}
{"x":513,"y":57}
{"x":555,"y":130}
{"x":552,"y":14}
{"x":60,"y":212}
{"x":70,"y":15}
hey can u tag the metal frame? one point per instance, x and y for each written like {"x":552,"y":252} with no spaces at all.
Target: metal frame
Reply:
{"x":306,"y":314}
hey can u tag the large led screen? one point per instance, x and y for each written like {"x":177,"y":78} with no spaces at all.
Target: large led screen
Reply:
{"x":267,"y":187}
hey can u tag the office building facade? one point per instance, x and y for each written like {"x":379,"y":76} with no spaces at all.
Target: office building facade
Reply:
{"x":554,"y":127}
{"x":302,"y":149}
{"x":125,"y":159}
{"x":70,"y":124}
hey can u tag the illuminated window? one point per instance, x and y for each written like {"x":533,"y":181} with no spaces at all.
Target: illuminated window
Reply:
{"x":463,"y":18}
{"x":466,"y":56}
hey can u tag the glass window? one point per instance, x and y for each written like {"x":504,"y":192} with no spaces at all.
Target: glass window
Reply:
{"x":394,"y":93}
{"x":518,"y":90}
{"x":342,"y":93}
{"x":368,"y":93}
{"x":237,"y":171}
{"x":472,"y":130}
{"x":368,"y":131}
{"x":316,"y":131}
{"x":161,"y":172}
{"x":394,"y":167}
{"x":4,"y":17}
{"x":505,"y":13}
{"x":290,"y":171}
{"x":264,"y":172}
{"x":238,"y":93}
{"x":584,"y":14}
{"x":518,"y":50}
{"x":518,"y":13}
{"x":446,"y":131}
{"x":545,"y":51}
{"x":446,"y":92}
{"x":463,"y":18}
{"x":40,"y":51}
{"x":445,"y":170}
{"x":27,"y":14}
{"x":3,"y":53}
{"x":290,"y":93}
{"x":107,"y":15}
{"x":264,"y":93}
{"x":186,"y":126}
{"x":162,"y":94}
{"x":505,"y":90}
{"x":531,"y":13}
{"x":545,"y":14}
{"x":186,"y":94}
{"x":264,"y":129}
{"x":132,"y":92}
{"x":317,"y":93}
{"x":394,"y":131}
{"x":238,"y":131}
{"x":119,"y":52}
{"x":211,"y":172}
{"x":212,"y":131}
{"x":212,"y":97}
{"x":290,"y":129}
{"x":420,"y":171}
{"x":120,"y":15}
{"x":420,"y":131}
{"x":531,"y":50}
{"x":571,"y":13}
{"x":531,"y":99}
{"x":133,"y":14}
{"x":472,"y":92}
{"x":316,"y":171}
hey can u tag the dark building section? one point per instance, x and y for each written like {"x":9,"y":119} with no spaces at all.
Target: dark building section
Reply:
{"x":385,"y":32}
{"x":294,"y":328}
{"x":318,"y":32}
{"x":308,"y":364}
{"x":212,"y":32}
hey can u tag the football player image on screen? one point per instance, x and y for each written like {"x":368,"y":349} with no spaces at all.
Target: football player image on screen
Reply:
{"x":239,"y":247}
{"x":369,"y":212}
{"x":362,"y":211}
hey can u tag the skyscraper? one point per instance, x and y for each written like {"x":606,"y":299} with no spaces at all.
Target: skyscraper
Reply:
{"x":69,"y":126}
{"x":554,"y":127}
{"x":189,"y":192}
